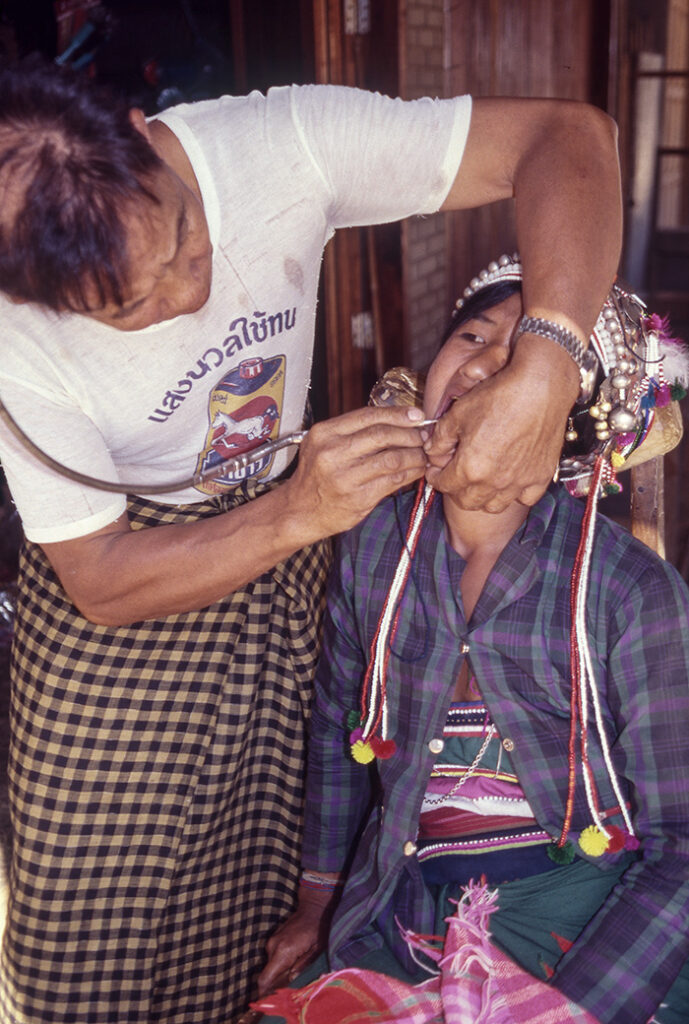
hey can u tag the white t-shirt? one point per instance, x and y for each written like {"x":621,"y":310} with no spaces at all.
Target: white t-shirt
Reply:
{"x":277,"y":174}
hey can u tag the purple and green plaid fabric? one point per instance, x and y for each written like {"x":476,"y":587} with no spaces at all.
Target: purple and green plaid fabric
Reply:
{"x":365,"y":820}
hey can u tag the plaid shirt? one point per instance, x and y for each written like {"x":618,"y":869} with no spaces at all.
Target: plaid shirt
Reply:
{"x":518,"y":642}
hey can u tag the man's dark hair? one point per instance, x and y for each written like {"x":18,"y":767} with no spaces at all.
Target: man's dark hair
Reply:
{"x":70,"y":162}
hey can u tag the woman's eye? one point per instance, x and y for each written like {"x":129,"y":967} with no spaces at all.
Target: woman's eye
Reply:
{"x":474,"y":339}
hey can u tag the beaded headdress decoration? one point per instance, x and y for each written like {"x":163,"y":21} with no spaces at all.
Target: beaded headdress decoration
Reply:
{"x":643,"y":370}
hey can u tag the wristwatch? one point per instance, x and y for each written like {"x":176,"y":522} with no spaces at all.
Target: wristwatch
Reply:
{"x":584,"y":358}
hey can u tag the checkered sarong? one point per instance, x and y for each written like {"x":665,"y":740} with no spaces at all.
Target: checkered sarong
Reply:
{"x":156,"y":790}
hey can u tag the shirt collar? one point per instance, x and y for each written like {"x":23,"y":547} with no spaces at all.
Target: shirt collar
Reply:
{"x":538,"y":520}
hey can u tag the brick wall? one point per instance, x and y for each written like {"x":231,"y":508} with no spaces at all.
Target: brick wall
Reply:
{"x":424,"y":240}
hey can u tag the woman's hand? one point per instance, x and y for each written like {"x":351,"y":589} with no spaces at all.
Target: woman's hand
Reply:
{"x":501,"y":442}
{"x":298,"y":941}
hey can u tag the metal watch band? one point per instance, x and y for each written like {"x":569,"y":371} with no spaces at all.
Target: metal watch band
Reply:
{"x":583,"y":357}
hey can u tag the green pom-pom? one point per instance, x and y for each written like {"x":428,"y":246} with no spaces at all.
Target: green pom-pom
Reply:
{"x":353,"y":720}
{"x":561,"y":854}
{"x":677,"y":392}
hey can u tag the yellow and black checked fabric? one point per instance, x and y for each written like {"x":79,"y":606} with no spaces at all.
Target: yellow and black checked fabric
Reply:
{"x":156,"y":786}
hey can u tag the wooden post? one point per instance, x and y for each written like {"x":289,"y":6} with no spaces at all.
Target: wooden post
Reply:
{"x":337,"y":56}
{"x":647,"y":504}
{"x":241,"y":75}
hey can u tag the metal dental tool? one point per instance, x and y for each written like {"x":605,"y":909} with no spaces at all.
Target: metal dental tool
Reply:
{"x":234,"y":464}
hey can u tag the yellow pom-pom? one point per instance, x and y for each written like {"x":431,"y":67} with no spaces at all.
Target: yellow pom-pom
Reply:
{"x":593,"y":842}
{"x":617,"y":460}
{"x":362,"y":752}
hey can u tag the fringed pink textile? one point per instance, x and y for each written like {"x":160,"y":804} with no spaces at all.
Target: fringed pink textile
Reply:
{"x":477,"y":984}
{"x":481,"y":985}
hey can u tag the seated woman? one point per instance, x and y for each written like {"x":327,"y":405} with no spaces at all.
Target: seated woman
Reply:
{"x":504,"y":698}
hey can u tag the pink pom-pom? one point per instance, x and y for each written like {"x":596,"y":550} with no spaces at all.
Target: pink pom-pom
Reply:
{"x":663,"y":396}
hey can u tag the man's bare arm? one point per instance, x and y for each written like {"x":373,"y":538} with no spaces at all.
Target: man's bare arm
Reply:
{"x":117,"y":576}
{"x":558,"y":159}
{"x":559,"y":162}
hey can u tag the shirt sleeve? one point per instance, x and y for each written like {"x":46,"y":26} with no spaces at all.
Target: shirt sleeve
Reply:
{"x":624,"y":962}
{"x":54,"y":508}
{"x":380,"y":159}
{"x":338,"y":791}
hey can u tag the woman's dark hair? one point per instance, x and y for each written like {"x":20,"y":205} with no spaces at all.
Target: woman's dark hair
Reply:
{"x":71,"y":158}
{"x":478,"y":303}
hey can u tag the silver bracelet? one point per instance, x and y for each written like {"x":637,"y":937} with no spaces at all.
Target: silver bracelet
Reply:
{"x":583,"y":357}
{"x":318,"y":881}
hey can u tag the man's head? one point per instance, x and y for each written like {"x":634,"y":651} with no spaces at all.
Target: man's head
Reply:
{"x":74,"y":167}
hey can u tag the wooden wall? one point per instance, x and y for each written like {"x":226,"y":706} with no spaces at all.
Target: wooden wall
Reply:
{"x":518,"y":48}
{"x":360,"y":317}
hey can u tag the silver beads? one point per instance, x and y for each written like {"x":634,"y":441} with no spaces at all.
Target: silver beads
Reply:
{"x":610,"y":411}
{"x":506,"y":268}
{"x":622,"y":420}
{"x":570,"y":433}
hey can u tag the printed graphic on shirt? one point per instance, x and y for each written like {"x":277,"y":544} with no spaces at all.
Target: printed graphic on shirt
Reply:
{"x":244,"y":411}
{"x":245,"y":334}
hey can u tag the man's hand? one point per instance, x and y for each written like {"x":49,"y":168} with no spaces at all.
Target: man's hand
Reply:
{"x":298,"y":941}
{"x":502,"y":441}
{"x":349,"y":464}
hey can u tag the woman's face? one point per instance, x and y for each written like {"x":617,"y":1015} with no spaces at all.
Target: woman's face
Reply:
{"x":475,"y":351}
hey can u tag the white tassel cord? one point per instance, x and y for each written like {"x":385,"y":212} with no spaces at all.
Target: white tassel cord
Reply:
{"x":377,"y":695}
{"x":589,"y":688}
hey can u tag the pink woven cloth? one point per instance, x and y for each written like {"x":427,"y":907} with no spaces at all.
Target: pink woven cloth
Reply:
{"x":476,"y":984}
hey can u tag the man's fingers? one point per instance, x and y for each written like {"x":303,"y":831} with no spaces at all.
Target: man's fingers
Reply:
{"x":446,"y":433}
{"x":530,"y":495}
{"x":479,"y":497}
{"x":362,"y":443}
{"x":369,"y":417}
{"x":343,"y":474}
{"x":391,"y":464}
{"x":493,"y":496}
{"x":376,"y":463}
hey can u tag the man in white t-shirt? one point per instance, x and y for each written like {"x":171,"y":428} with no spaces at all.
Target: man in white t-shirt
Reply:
{"x":159,"y":286}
